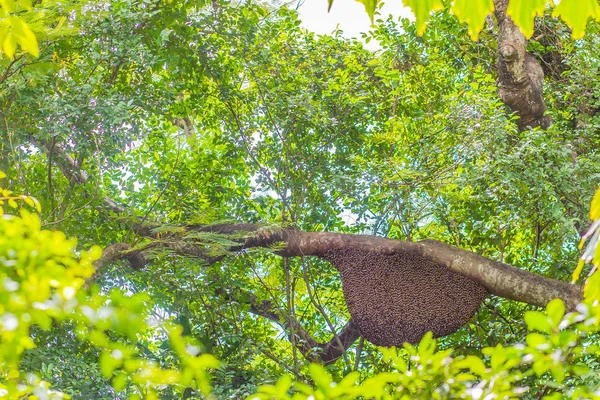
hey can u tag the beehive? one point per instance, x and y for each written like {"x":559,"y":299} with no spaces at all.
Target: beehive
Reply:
{"x":398,"y":298}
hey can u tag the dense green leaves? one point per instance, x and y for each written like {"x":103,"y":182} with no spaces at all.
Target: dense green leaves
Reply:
{"x":501,"y":371}
{"x":42,"y":279}
{"x":185,"y":113}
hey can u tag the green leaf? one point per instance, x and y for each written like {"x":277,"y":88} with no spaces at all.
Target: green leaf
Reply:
{"x":24,"y":36}
{"x":9,"y":45}
{"x":349,"y":380}
{"x":7,"y":5}
{"x":282,"y":386}
{"x":475,"y":364}
{"x":556,"y":311}
{"x":422,"y":10}
{"x":536,"y":320}
{"x":540,"y":367}
{"x":497,"y":358}
{"x":370,"y":7}
{"x":577,"y":271}
{"x":558,"y":372}
{"x":537,"y":341}
{"x":119,"y":382}
{"x":580,"y":369}
{"x":473,"y":13}
{"x":321,"y":377}
{"x":576,"y":14}
{"x":591,"y":289}
{"x":523,"y":13}
{"x":107,"y":364}
{"x":595,"y":206}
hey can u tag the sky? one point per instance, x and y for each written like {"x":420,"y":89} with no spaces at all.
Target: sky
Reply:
{"x":349,"y":15}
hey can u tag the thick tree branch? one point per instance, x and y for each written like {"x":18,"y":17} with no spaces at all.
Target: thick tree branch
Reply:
{"x":331,"y":351}
{"x":521,"y":78}
{"x":324,"y":353}
{"x":114,"y":252}
{"x":498,"y":278}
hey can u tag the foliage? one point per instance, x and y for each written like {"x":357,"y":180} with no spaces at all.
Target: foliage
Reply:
{"x":575,"y":13}
{"x":288,"y":129}
{"x":591,"y":252}
{"x":554,"y":357}
{"x":42,"y":284}
{"x":15,"y":31}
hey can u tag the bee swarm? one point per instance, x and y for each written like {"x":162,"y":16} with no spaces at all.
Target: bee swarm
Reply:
{"x":397,"y":298}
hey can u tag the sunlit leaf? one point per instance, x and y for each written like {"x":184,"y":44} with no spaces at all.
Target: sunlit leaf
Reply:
{"x":422,"y":10}
{"x":576,"y":14}
{"x":556,"y":311}
{"x":25,"y":37}
{"x":9,"y":46}
{"x":370,"y":7}
{"x":321,"y":377}
{"x":537,"y":341}
{"x":592,"y":287}
{"x":475,"y":364}
{"x":595,"y":206}
{"x":577,"y":271}
{"x":536,"y":320}
{"x":558,"y":372}
{"x":523,"y":13}
{"x":473,"y":13}
{"x":7,"y":5}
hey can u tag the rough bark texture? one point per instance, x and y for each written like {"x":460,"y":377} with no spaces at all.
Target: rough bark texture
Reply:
{"x":520,"y":76}
{"x":398,"y":298}
{"x":498,"y":278}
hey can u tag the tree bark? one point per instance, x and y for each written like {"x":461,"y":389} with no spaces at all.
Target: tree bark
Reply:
{"x":498,"y":278}
{"x":520,"y":76}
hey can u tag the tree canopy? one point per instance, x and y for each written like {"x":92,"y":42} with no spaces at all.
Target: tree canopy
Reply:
{"x":204,"y":200}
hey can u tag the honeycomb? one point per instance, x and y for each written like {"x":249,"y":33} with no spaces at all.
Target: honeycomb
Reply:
{"x":397,"y":298}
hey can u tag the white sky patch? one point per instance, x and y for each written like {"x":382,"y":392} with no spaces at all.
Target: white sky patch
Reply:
{"x":348,"y":15}
{"x":350,"y":218}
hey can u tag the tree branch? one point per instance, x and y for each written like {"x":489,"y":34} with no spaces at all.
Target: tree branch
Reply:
{"x":498,"y":278}
{"x":520,"y":76}
{"x":71,"y":170}
{"x":324,"y":353}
